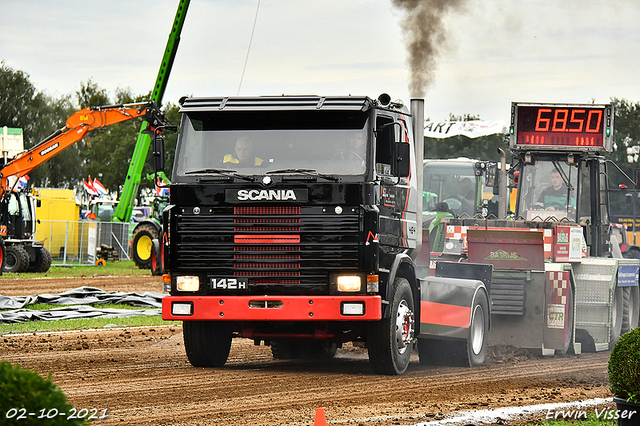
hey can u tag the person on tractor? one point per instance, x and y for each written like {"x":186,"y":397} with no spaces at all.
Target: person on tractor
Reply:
{"x":555,"y":196}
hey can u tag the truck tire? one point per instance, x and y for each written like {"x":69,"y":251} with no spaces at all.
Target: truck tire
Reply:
{"x":390,"y":340}
{"x":207,"y":343}
{"x":476,"y":343}
{"x":141,"y":244}
{"x":43,"y":260}
{"x":630,"y":309}
{"x":434,"y":351}
{"x":469,"y":352}
{"x":285,"y":349}
{"x":617,"y":310}
{"x":157,"y":258}
{"x":17,"y":259}
{"x":318,"y":349}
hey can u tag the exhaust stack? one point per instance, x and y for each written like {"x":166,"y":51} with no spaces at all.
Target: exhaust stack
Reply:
{"x":417,"y":113}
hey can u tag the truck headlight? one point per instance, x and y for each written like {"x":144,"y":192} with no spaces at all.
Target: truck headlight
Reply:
{"x":187,"y":283}
{"x":349,"y":283}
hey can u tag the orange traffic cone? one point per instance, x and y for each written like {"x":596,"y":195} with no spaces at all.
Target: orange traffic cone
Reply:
{"x":320,"y":419}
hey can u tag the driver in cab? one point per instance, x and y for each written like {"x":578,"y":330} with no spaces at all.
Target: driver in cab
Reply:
{"x":244,"y":155}
{"x":555,"y":196}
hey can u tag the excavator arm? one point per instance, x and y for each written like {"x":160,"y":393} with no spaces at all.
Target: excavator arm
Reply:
{"x":76,"y":128}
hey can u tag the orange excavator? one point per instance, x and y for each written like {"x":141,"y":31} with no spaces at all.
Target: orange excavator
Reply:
{"x":19,"y":250}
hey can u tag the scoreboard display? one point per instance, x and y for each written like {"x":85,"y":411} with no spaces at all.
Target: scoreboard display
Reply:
{"x":562,"y":126}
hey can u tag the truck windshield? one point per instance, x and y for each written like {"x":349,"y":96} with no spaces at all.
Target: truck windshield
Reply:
{"x":548,"y":189}
{"x":332,"y":142}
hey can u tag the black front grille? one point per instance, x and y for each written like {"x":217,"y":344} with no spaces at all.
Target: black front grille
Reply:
{"x":268,"y":245}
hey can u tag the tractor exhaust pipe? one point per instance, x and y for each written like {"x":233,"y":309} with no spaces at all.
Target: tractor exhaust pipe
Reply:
{"x":503,"y":186}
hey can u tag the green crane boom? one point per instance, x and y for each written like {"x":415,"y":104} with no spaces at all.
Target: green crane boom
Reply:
{"x":124,"y":209}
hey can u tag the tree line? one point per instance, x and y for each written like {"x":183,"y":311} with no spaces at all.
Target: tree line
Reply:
{"x":106,"y":153}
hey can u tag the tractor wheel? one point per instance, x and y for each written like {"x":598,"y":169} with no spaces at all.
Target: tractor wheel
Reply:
{"x":16,"y":259}
{"x":207,"y":343}
{"x":633,"y":253}
{"x":390,"y":340}
{"x":630,"y":309}
{"x":568,"y":349}
{"x":42,"y":263}
{"x":617,"y":311}
{"x":3,"y":253}
{"x":141,"y":245}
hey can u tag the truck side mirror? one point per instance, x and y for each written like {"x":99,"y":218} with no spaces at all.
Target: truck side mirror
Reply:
{"x":158,"y":153}
{"x":401,"y":159}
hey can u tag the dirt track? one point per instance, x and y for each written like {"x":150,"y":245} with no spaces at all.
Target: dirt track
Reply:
{"x":142,"y":377}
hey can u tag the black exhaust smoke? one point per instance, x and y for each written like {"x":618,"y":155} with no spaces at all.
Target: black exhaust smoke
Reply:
{"x":424,"y":33}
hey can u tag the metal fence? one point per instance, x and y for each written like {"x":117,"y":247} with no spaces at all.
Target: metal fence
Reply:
{"x":75,"y":242}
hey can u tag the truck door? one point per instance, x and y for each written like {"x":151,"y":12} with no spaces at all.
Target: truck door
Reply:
{"x":394,"y":229}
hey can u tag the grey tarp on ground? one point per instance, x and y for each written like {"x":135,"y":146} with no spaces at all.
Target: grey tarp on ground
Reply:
{"x":81,"y":296}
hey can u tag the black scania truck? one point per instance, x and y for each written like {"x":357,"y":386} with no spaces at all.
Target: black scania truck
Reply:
{"x":295,"y":221}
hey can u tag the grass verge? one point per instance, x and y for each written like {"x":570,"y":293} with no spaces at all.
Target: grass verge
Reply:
{"x":117,"y":269}
{"x":85,"y":323}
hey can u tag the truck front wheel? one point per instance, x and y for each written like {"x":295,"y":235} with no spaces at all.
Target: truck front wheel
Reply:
{"x":390,"y":340}
{"x":207,"y":343}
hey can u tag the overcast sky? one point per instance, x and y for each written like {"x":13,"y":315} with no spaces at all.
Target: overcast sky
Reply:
{"x":495,"y":51}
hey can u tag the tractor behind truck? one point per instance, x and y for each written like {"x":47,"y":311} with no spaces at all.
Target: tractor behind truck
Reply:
{"x":309,"y":240}
{"x":559,"y":282}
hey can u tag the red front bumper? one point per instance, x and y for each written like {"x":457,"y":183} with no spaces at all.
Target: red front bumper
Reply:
{"x":273,"y":308}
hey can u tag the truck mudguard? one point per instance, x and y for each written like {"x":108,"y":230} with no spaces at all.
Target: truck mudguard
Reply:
{"x":445,"y":306}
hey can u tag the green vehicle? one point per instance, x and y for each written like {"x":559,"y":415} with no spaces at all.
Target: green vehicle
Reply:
{"x":458,"y":187}
{"x":148,"y":230}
